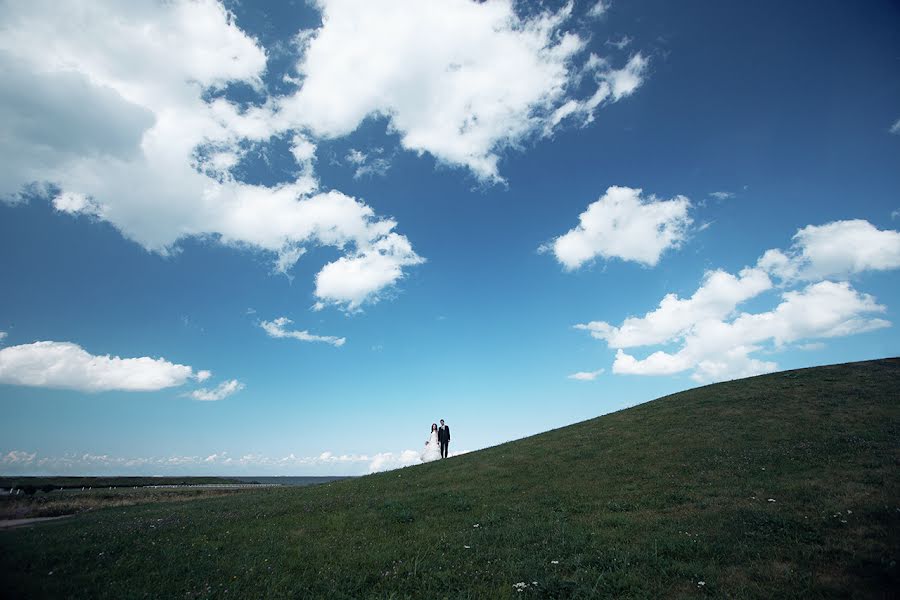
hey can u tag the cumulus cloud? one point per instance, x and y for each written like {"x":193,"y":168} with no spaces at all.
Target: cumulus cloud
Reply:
{"x":67,"y":365}
{"x":586,"y":375}
{"x":626,"y":225}
{"x":716,"y":298}
{"x":717,"y":342}
{"x":115,"y":110}
{"x":386,"y":461}
{"x":277,"y":329}
{"x":460,"y":80}
{"x":835,"y":250}
{"x":717,"y":349}
{"x":220,"y":392}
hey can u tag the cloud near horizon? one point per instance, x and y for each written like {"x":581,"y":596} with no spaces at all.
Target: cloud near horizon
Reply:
{"x":221,"y":463}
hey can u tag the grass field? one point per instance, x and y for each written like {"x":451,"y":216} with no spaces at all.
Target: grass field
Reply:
{"x":784,"y":485}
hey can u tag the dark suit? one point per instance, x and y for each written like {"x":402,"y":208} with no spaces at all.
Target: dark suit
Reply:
{"x":444,"y":439}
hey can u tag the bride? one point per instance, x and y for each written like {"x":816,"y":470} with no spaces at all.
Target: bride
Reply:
{"x":432,"y":450}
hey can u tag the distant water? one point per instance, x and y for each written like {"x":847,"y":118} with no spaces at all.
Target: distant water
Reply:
{"x":295,"y":481}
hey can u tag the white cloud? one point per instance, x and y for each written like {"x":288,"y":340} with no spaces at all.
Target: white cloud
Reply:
{"x":460,"y":80}
{"x":717,"y":349}
{"x":276,"y":329}
{"x":67,"y":365}
{"x":895,"y":128}
{"x":2,"y":335}
{"x":812,"y":346}
{"x":586,"y":375}
{"x":386,"y":461}
{"x":19,"y":456}
{"x":352,"y":280}
{"x":715,"y":342}
{"x":623,"y":224}
{"x":716,"y":298}
{"x":369,"y":164}
{"x":220,"y":392}
{"x":599,"y":8}
{"x":106,"y":113}
{"x":722,"y":195}
{"x":218,"y":463}
{"x":835,"y":250}
{"x":619,"y":44}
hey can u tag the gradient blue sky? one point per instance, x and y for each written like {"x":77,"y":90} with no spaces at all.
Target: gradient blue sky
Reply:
{"x":766,"y":117}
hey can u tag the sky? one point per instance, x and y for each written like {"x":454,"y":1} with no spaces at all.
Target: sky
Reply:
{"x":260,"y":238}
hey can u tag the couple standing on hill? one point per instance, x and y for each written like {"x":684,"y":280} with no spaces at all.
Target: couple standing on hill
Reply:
{"x":437,"y":444}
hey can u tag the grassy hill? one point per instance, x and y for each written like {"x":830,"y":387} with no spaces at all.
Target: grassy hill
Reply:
{"x":784,"y":485}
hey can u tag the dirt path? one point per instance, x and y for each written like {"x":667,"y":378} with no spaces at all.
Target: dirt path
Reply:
{"x":12,"y":523}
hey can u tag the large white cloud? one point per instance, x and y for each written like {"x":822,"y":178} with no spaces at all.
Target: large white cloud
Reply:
{"x":717,"y":349}
{"x":623,"y":224}
{"x":716,"y":298}
{"x":835,"y":250}
{"x":715,"y":342}
{"x":107,"y":110}
{"x":67,"y":365}
{"x":460,"y":80}
{"x":277,"y":328}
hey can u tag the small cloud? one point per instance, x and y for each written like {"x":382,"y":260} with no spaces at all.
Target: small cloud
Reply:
{"x":704,"y":226}
{"x":619,"y":44}
{"x":894,"y":215}
{"x":895,"y":128}
{"x":586,"y":375}
{"x":276,"y":329}
{"x":812,"y":346}
{"x":599,"y":9}
{"x":220,"y":392}
{"x":2,"y":335}
{"x":722,"y":195}
{"x":368,"y":164}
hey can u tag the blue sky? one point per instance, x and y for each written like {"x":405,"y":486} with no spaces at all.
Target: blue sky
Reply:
{"x":241,"y":239}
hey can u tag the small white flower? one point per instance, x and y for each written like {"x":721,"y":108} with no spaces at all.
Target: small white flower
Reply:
{"x":467,"y":547}
{"x":476,"y":525}
{"x":771,"y":499}
{"x":554,"y":562}
{"x":701,"y":583}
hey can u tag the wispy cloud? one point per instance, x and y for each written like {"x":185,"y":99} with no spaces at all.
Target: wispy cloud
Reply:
{"x":586,"y":375}
{"x":276,"y":329}
{"x":722,"y":195}
{"x":895,"y":128}
{"x":220,"y":392}
{"x":371,"y":164}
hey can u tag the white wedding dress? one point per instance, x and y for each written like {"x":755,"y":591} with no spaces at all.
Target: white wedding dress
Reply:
{"x":432,"y":449}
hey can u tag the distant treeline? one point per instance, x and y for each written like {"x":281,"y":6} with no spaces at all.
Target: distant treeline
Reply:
{"x":29,"y":485}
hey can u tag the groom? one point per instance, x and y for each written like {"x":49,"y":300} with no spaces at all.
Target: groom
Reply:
{"x":443,"y":438}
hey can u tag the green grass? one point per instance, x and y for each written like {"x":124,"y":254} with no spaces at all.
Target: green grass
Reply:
{"x":646,"y":503}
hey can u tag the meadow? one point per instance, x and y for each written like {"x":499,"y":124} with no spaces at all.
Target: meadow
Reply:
{"x":782,"y":485}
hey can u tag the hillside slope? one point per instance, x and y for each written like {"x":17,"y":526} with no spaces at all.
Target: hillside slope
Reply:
{"x":773,"y":486}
